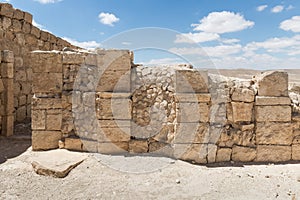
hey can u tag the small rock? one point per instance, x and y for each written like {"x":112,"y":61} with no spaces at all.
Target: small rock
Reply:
{"x":177,"y":181}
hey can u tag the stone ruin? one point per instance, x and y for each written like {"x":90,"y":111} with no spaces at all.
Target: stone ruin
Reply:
{"x":102,"y":102}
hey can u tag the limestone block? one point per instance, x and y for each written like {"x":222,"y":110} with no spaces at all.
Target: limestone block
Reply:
{"x":243,"y":94}
{"x":7,"y":70}
{"x":273,"y":113}
{"x":191,"y":152}
{"x":38,"y":119}
{"x":53,"y":121}
{"x":46,"y":62}
{"x":45,"y":140}
{"x":16,"y":25}
{"x":1,"y":86}
{"x":7,"y":56}
{"x":31,"y":41}
{"x":89,"y":145}
{"x":242,"y":112}
{"x":72,"y":58}
{"x":113,"y":108}
{"x":36,"y":32}
{"x":47,"y":83}
{"x":114,"y":60}
{"x":8,"y":96}
{"x":266,"y":101}
{"x":74,"y":144}
{"x":223,"y":154}
{"x":113,"y":148}
{"x":274,"y":133}
{"x":8,"y":125}
{"x":272,"y":83}
{"x":114,"y":81}
{"x":6,"y":10}
{"x":272,"y":153}
{"x":46,"y":103}
{"x":44,"y":36}
{"x":191,"y":98}
{"x":138,"y":146}
{"x":296,"y":152}
{"x":190,"y":133}
{"x":193,"y":112}
{"x":21,"y":113}
{"x":111,"y":95}
{"x":26,"y":27}
{"x":28,"y":17}
{"x":161,"y":149}
{"x":18,"y":14}
{"x":243,"y":154}
{"x":218,"y":113}
{"x":191,"y":81}
{"x":211,"y":153}
{"x":114,"y":134}
{"x":6,"y":23}
{"x":20,"y":75}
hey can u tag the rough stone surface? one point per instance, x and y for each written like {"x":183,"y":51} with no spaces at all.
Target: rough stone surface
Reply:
{"x":243,"y":154}
{"x":272,"y":83}
{"x":266,"y":101}
{"x":242,"y":112}
{"x":223,"y":155}
{"x":273,"y":113}
{"x":272,"y":153}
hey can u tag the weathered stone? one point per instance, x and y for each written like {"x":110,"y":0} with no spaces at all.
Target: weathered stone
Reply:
{"x":242,"y":112}
{"x":54,"y":122}
{"x":49,"y":61}
{"x":7,"y":125}
{"x":47,"y":83}
{"x":73,"y":144}
{"x":46,"y":103}
{"x":272,"y":153}
{"x":6,"y":10}
{"x":38,"y":118}
{"x":161,"y":149}
{"x":114,"y":81}
{"x":18,"y":14}
{"x":211,"y":153}
{"x":112,"y":95}
{"x":189,"y":133}
{"x":72,"y":58}
{"x":45,"y":140}
{"x":113,"y":109}
{"x":89,"y":145}
{"x":7,"y":70}
{"x":266,"y":101}
{"x":138,"y":146}
{"x":28,"y":17}
{"x":191,"y":81}
{"x":193,"y":112}
{"x":191,"y":152}
{"x":113,"y":148}
{"x":243,"y":154}
{"x":223,"y":155}
{"x":274,"y":133}
{"x":296,"y":152}
{"x":56,"y":163}
{"x":247,"y":127}
{"x":35,"y":31}
{"x":273,"y":113}
{"x":7,"y":56}
{"x":190,"y":98}
{"x":121,"y":134}
{"x":21,"y":113}
{"x":243,"y":94}
{"x":272,"y":83}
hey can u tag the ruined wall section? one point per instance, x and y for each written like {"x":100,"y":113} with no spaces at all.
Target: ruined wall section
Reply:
{"x":18,"y":35}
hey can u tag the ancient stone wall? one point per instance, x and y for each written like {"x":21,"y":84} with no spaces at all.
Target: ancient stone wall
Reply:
{"x":101,"y":102}
{"x":18,"y":35}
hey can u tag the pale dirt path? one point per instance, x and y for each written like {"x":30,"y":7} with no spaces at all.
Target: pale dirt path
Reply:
{"x":94,"y":180}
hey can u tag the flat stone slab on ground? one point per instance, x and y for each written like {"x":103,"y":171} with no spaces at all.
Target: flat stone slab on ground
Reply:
{"x":56,"y":163}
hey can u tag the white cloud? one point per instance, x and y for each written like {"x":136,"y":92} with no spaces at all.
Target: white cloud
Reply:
{"x":230,"y":41}
{"x":290,"y":7}
{"x":48,"y":1}
{"x":292,"y":24}
{"x":126,"y":43}
{"x":196,"y":37}
{"x":108,"y":18}
{"x":214,"y":51}
{"x":223,"y":22}
{"x":261,"y":8}
{"x":163,"y":61}
{"x":277,"y":9}
{"x":85,"y":45}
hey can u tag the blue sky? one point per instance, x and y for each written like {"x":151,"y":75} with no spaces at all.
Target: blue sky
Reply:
{"x":258,"y":34}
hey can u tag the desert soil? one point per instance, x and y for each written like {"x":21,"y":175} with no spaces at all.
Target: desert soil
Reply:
{"x":95,"y":179}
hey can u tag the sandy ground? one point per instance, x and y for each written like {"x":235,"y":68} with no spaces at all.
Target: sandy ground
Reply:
{"x":176,"y":179}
